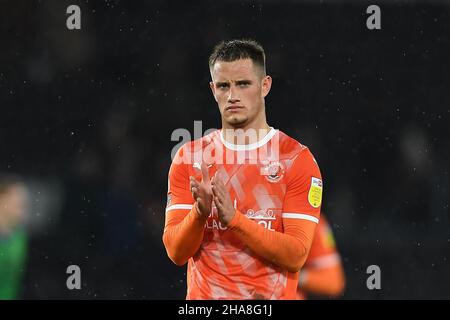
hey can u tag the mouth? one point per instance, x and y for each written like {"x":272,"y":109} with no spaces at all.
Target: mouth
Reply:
{"x":234,"y":108}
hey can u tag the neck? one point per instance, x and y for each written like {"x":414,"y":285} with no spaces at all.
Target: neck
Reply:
{"x":247,"y":134}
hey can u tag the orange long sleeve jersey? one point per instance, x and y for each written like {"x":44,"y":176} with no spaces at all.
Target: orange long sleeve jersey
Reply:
{"x":276,"y":188}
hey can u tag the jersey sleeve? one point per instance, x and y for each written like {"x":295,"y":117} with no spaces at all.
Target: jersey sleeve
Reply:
{"x":184,"y":227}
{"x":304,"y":189}
{"x":179,"y":196}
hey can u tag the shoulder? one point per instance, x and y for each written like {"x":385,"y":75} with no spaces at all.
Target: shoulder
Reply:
{"x":298,"y":160}
{"x":193,"y":148}
{"x":292,"y":149}
{"x":289,"y":144}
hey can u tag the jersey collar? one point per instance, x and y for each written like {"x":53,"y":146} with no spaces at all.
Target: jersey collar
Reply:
{"x":252,"y":146}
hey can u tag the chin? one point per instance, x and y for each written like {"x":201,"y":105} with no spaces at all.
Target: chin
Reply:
{"x":237,"y":121}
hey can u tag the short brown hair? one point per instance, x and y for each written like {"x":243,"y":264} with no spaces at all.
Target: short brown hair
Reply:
{"x":233,"y":50}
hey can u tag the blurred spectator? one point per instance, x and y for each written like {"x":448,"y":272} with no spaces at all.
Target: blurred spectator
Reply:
{"x":13,"y":237}
{"x":322,"y":274}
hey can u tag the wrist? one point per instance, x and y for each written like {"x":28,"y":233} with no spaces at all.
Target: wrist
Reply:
{"x":198,"y":213}
{"x":234,"y":220}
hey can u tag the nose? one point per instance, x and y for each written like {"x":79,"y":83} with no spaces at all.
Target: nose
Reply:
{"x":232,"y":98}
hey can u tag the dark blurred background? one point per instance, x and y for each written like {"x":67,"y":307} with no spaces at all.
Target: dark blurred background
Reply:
{"x":86,"y":118}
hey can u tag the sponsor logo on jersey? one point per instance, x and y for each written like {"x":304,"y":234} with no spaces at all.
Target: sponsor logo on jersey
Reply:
{"x":261,"y":214}
{"x":315,"y":192}
{"x":263,"y":217}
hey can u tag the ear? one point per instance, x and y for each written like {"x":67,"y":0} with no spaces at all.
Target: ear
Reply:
{"x":266,"y":84}
{"x":213,"y":90}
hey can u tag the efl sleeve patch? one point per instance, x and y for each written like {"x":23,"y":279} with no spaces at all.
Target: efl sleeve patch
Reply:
{"x":315,"y":192}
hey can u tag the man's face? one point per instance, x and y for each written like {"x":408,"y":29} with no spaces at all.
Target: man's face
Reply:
{"x":239,"y":89}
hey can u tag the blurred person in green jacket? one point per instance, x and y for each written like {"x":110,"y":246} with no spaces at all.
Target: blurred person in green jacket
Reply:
{"x":13,"y":237}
